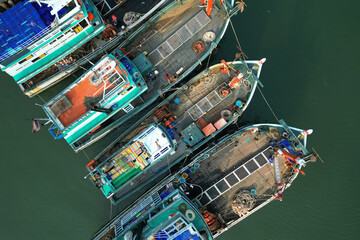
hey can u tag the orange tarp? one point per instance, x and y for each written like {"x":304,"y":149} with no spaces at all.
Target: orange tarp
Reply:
{"x":209,"y":7}
{"x":77,"y":96}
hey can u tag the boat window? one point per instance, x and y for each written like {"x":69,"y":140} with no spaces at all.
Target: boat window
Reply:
{"x":84,"y":23}
{"x":66,"y":9}
{"x":22,"y":61}
{"x":59,"y":37}
{"x":39,"y":57}
{"x":130,"y":88}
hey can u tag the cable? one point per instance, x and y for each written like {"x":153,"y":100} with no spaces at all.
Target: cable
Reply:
{"x":207,"y":64}
{"x":236,"y":37}
{"x":202,"y":190}
{"x":268,"y":104}
{"x":238,"y":42}
{"x":85,"y":154}
{"x":110,"y":209}
{"x":102,"y":7}
{"x":168,"y":164}
{"x":41,"y":98}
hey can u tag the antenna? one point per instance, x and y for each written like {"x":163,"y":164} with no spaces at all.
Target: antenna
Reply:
{"x":317,"y":155}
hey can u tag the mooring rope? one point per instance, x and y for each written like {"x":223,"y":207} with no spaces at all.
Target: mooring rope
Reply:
{"x":85,"y":154}
{"x":207,"y":64}
{"x":110,"y":209}
{"x":236,"y":37}
{"x":169,"y":165}
{"x":267,"y":103}
{"x":238,"y":42}
{"x":41,"y":99}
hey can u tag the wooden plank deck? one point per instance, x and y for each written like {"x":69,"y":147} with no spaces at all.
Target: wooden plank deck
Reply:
{"x":183,"y":57}
{"x":220,"y":165}
{"x":78,"y":96}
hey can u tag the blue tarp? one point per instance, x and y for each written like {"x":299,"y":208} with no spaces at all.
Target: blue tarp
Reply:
{"x":20,"y":23}
{"x":186,"y":236}
{"x":285,"y":145}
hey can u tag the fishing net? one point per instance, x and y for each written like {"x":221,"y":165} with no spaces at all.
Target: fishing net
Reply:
{"x":130,"y":18}
{"x":243,"y":203}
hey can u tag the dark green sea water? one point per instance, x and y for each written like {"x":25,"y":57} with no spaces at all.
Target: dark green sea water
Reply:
{"x":311,"y":80}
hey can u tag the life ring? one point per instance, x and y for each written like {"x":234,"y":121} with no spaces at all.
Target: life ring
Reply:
{"x":190,"y":215}
{"x":126,"y":86}
{"x":79,"y":16}
{"x":198,"y":47}
{"x":224,"y":92}
{"x":182,"y":207}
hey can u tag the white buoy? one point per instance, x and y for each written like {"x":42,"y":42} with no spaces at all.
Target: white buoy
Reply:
{"x":209,"y":37}
{"x":128,"y":235}
{"x":307,"y":132}
{"x":261,"y":62}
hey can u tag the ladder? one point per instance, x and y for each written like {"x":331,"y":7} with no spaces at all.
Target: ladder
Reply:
{"x":279,"y":185}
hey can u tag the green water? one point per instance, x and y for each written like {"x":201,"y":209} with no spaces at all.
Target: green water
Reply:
{"x":311,"y":80}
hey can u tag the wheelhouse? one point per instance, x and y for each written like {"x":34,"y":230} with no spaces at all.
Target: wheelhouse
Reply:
{"x":108,"y":87}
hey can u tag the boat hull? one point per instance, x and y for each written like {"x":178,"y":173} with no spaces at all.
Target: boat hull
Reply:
{"x":156,"y":91}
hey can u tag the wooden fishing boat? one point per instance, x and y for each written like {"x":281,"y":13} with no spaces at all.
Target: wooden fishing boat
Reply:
{"x":162,"y":52}
{"x":226,"y":182}
{"x":122,"y":18}
{"x":41,"y":33}
{"x":170,"y":216}
{"x":189,"y":118}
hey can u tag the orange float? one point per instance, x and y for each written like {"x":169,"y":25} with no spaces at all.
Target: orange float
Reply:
{"x":79,"y":16}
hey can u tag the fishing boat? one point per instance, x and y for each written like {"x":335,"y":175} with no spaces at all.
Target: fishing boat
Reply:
{"x":163,"y":51}
{"x":98,"y":94}
{"x":42,"y":32}
{"x":122,"y":18}
{"x":186,"y":120}
{"x":170,"y":216}
{"x":229,"y":181}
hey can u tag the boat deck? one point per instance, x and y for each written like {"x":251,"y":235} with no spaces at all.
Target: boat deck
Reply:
{"x":241,"y":164}
{"x":203,"y":99}
{"x":136,"y":102}
{"x":196,"y":91}
{"x":107,"y":7}
{"x":86,"y":93}
{"x":90,"y":50}
{"x":169,"y":41}
{"x":164,"y":37}
{"x":64,"y":63}
{"x":77,"y":102}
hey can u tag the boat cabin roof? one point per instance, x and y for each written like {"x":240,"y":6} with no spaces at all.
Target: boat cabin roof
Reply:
{"x":31,"y":21}
{"x":97,"y":87}
{"x":162,"y":218}
{"x":156,"y":142}
{"x":150,"y":145}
